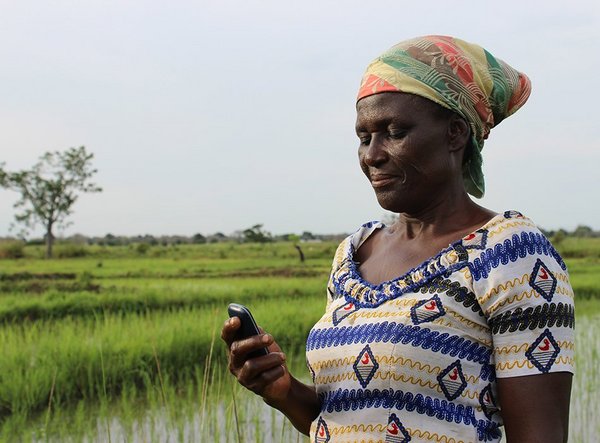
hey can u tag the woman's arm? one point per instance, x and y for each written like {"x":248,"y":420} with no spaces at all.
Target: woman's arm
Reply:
{"x":522,"y":286}
{"x":301,"y":406}
{"x":268,"y":376}
{"x":535,"y":408}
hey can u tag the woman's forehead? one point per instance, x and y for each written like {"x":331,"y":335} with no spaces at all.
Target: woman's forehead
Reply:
{"x":387,"y":105}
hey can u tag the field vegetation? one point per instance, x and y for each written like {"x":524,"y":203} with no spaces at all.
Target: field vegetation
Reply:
{"x":111,"y":342}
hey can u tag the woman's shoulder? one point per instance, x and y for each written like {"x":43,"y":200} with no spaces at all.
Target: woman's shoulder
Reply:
{"x":507,"y":224}
{"x":510,"y":226}
{"x":509,"y":238}
{"x":352,"y":242}
{"x":364,"y":232}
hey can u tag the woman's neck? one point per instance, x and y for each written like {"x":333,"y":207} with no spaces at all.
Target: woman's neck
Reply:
{"x":441,"y":217}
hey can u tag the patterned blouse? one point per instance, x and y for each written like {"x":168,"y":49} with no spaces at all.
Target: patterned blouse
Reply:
{"x":416,"y":358}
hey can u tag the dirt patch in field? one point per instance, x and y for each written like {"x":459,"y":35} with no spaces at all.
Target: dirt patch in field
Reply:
{"x":25,"y":276}
{"x":28,"y":283}
{"x":267,"y":272}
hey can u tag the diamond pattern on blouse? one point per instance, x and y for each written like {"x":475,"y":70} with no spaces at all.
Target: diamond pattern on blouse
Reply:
{"x":395,"y":432}
{"x":322,"y":434}
{"x":452,"y":380}
{"x":488,"y":402}
{"x":365,"y":366}
{"x":542,"y":280}
{"x":476,"y":240}
{"x":427,"y":310}
{"x":543,"y":351}
{"x":342,"y":312}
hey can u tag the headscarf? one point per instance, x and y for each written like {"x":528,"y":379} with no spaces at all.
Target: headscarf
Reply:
{"x":457,"y":75}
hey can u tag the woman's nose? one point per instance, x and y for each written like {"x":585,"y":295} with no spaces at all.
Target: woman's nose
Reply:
{"x":374,"y":154}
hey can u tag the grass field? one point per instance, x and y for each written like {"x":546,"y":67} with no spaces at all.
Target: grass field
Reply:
{"x":117,"y":344}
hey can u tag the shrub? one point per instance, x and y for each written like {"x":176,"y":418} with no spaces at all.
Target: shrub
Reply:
{"x":69,"y":250}
{"x":12,"y":249}
{"x":142,"y":248}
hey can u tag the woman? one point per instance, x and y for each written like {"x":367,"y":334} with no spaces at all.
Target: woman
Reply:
{"x":454,"y":320}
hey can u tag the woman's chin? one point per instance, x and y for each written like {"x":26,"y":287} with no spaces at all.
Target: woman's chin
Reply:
{"x":392,"y":202}
{"x":406,"y":199}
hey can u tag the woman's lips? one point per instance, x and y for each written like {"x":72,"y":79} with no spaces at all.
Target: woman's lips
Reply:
{"x":379,"y":181}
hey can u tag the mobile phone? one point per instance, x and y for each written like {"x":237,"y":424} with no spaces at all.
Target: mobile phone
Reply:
{"x":248,"y":327}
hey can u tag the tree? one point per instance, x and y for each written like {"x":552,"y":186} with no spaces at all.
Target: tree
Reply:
{"x":217,"y":238}
{"x":49,"y":189}
{"x":559,"y":236}
{"x":198,"y":239}
{"x":307,"y":235}
{"x":583,"y":231}
{"x":256,"y":234}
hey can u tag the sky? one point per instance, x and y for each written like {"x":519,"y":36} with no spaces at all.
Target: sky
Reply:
{"x":214,"y":116}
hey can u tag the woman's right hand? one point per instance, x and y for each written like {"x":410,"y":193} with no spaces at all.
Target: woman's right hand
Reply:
{"x":266,"y":375}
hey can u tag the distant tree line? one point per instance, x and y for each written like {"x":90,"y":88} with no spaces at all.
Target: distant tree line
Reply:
{"x":580,"y":231}
{"x":254,"y":234}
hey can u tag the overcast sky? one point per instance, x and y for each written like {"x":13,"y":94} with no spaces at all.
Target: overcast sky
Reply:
{"x":214,"y":116}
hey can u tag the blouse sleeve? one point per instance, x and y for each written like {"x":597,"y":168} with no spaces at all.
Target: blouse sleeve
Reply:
{"x":338,"y":258}
{"x":523,"y":288}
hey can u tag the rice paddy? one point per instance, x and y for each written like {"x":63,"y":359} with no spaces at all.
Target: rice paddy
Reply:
{"x":122,"y":346}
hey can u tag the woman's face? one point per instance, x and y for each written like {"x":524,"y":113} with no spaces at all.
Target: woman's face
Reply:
{"x":405,"y":150}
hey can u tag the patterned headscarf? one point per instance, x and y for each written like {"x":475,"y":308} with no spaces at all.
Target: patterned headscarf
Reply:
{"x":459,"y":76}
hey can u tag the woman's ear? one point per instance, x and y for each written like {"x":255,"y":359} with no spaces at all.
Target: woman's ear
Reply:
{"x":458,"y":133}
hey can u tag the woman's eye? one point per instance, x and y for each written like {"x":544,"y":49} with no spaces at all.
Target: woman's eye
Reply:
{"x":396,"y":134}
{"x":364,"y":139}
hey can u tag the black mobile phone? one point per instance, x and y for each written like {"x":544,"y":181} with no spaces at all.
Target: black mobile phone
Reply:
{"x":248,"y":327}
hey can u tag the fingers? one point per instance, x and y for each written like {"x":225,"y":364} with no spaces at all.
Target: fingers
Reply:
{"x":255,"y":367}
{"x":257,"y":373}
{"x":239,"y":350}
{"x":264,"y":379}
{"x":230,"y":327}
{"x":229,"y":333}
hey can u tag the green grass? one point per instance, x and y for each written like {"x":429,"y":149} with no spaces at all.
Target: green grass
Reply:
{"x":168,"y":267}
{"x":116,"y":331}
{"x":214,"y":251}
{"x":584,"y":417}
{"x":585,"y":277}
{"x":152,"y":294}
{"x":574,"y":247}
{"x":93,"y":358}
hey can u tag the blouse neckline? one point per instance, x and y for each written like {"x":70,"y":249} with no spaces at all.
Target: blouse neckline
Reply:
{"x":349,"y":282}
